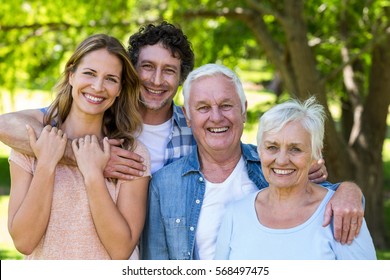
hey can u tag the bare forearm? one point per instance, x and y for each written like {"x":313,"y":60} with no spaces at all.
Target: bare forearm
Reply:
{"x":30,"y":221}
{"x":352,"y":189}
{"x":112,"y":228}
{"x":13,"y":131}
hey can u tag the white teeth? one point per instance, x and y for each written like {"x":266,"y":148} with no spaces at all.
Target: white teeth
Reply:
{"x":218,"y":130}
{"x":93,"y":98}
{"x":155,"y":91}
{"x":283,"y":171}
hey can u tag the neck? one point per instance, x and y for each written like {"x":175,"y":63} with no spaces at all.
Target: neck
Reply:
{"x":79,"y":126}
{"x":217,"y":167}
{"x":293,"y":194}
{"x":155,"y":117}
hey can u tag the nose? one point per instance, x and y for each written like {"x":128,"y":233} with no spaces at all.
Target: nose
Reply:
{"x":282,"y":157}
{"x":97,"y":84}
{"x":215,"y":114}
{"x":157,"y":77}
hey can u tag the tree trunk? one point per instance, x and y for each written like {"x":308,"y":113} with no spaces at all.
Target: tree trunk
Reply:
{"x":367,"y":149}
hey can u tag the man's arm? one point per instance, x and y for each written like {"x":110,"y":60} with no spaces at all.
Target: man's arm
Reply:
{"x":123,"y":164}
{"x":13,"y":129}
{"x":13,"y":132}
{"x":347,"y":210}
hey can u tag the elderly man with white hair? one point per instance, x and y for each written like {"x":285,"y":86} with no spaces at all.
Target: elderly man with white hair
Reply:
{"x":187,"y":198}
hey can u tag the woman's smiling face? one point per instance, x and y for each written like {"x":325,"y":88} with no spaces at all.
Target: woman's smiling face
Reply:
{"x":96,"y":82}
{"x":286,"y":156}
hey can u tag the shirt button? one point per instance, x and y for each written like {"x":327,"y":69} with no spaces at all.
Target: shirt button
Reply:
{"x":192,"y":228}
{"x":197,"y":201}
{"x":200,"y":179}
{"x":177,"y":221}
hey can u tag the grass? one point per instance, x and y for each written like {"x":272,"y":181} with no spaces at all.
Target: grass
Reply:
{"x":7,"y":249}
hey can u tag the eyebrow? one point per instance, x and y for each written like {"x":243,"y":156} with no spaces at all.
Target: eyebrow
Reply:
{"x":93,"y":70}
{"x":290,"y":144}
{"x":225,"y":100}
{"x":165,"y":65}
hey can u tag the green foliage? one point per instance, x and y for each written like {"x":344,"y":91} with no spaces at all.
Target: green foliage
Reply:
{"x":4,"y":175}
{"x":37,"y":37}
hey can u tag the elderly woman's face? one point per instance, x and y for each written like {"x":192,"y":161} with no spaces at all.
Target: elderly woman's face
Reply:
{"x":217,"y":119}
{"x":286,"y":156}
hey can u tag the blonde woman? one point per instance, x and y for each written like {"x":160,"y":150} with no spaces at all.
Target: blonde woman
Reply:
{"x":58,"y":211}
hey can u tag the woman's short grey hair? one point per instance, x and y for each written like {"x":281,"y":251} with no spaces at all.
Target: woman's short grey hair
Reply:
{"x":309,"y":113}
{"x":209,"y":70}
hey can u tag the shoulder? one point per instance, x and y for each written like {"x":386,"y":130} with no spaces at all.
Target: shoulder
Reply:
{"x":249,"y":151}
{"x":246,"y":203}
{"x":142,"y":150}
{"x":24,"y":161}
{"x":175,"y":167}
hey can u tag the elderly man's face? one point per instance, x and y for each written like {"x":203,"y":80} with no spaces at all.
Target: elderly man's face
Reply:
{"x":217,"y":119}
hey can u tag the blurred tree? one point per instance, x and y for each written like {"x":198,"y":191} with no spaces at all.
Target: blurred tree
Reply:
{"x":37,"y":37}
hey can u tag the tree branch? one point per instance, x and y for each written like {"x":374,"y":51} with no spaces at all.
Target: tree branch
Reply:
{"x":263,"y":9}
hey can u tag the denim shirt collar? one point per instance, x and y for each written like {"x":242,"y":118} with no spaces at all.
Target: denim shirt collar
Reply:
{"x":192,"y":163}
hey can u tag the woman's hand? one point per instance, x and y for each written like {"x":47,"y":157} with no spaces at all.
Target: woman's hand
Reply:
{"x":91,"y":158}
{"x":50,"y":146}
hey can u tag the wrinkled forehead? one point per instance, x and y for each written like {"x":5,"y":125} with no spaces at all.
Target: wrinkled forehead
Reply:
{"x":213,"y":89}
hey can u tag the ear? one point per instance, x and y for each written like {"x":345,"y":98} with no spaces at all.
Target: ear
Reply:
{"x":119,"y":91}
{"x":188,"y":121}
{"x":71,"y":75}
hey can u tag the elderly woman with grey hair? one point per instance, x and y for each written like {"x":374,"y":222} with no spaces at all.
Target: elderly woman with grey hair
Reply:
{"x":284,"y":221}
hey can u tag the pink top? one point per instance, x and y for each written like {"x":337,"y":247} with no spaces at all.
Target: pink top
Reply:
{"x":71,"y":233}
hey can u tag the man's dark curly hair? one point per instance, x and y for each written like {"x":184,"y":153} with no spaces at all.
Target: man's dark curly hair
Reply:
{"x":171,"y":37}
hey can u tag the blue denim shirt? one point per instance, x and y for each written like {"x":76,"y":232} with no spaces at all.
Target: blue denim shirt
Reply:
{"x":176,"y":195}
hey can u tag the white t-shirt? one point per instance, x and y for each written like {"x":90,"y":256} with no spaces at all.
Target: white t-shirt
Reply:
{"x":215,"y":201}
{"x":156,"y":138}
